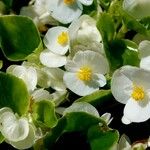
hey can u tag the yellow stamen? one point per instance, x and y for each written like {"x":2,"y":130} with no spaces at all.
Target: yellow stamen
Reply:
{"x":138,"y":93}
{"x":63,"y":38}
{"x":69,"y":2}
{"x":84,"y":74}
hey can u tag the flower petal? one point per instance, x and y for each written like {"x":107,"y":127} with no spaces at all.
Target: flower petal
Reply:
{"x":56,"y":77}
{"x":86,"y":2}
{"x":52,"y":60}
{"x":100,"y":78}
{"x":50,"y":40}
{"x":41,"y":94}
{"x":137,"y":8}
{"x":13,"y":129}
{"x":136,"y":112}
{"x":27,"y":142}
{"x":121,"y":86}
{"x":96,"y":61}
{"x":66,"y":14}
{"x":144,"y":48}
{"x":82,"y":107}
{"x":79,"y":87}
{"x":145,"y":63}
{"x":84,"y":30}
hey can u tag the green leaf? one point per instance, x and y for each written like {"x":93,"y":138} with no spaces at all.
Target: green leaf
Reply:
{"x":133,"y":24}
{"x":44,"y":112}
{"x":71,"y":122}
{"x":106,"y":27}
{"x":101,"y":139}
{"x":1,"y":138}
{"x":1,"y":64}
{"x":128,"y":58}
{"x":14,"y":93}
{"x":19,"y":37}
{"x":96,"y":98}
{"x":146,"y":22}
{"x":8,"y":3}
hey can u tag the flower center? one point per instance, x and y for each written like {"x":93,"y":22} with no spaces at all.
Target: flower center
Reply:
{"x":63,"y":38}
{"x":69,"y":2}
{"x":84,"y":74}
{"x":138,"y":93}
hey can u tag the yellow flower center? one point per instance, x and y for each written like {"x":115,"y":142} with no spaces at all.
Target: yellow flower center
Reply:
{"x":84,"y":74}
{"x":63,"y":38}
{"x":138,"y":93}
{"x":69,"y":2}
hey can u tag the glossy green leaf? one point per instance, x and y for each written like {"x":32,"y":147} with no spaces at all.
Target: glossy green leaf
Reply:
{"x":71,"y":122}
{"x":101,"y":139}
{"x":44,"y":112}
{"x":19,"y":37}
{"x":14,"y":93}
{"x":96,"y":98}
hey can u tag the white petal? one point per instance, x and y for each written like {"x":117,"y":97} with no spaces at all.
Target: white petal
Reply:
{"x":121,"y":86}
{"x":50,"y":40}
{"x":5,"y":109}
{"x":124,"y":143}
{"x":43,"y":79}
{"x":66,"y":14}
{"x":107,"y":117}
{"x":94,"y":60}
{"x":41,"y":94}
{"x":86,"y":2}
{"x":13,"y":129}
{"x":19,"y":71}
{"x":137,"y":112}
{"x":56,"y":76}
{"x":31,"y":78}
{"x":84,"y":30}
{"x":90,"y":45}
{"x":100,"y":79}
{"x":137,"y":75}
{"x":137,"y":8}
{"x":145,"y":63}
{"x":79,"y":87}
{"x":28,"y":75}
{"x":144,"y":48}
{"x":125,"y":120}
{"x":11,"y":68}
{"x":82,"y":107}
{"x":52,"y":60}
{"x":27,"y":142}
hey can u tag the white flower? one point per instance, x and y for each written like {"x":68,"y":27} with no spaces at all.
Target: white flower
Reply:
{"x":57,"y":42}
{"x":144,"y":51}
{"x":84,"y":30}
{"x":28,"y":75}
{"x":82,"y":107}
{"x":131,"y":86}
{"x":41,"y":94}
{"x":17,"y":131}
{"x":39,"y":12}
{"x":65,"y":11}
{"x":85,"y":73}
{"x":55,"y":76}
{"x":137,"y":8}
{"x":107,"y":118}
{"x":124,"y":144}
